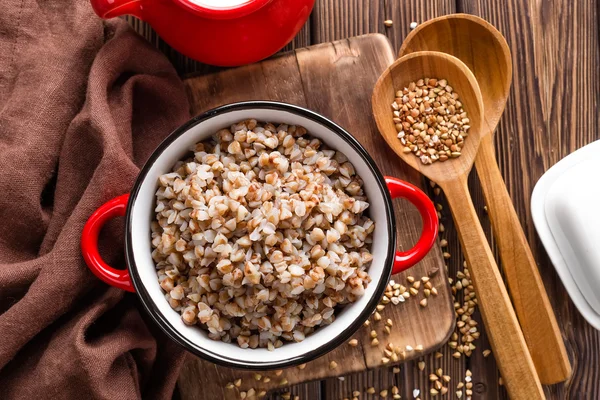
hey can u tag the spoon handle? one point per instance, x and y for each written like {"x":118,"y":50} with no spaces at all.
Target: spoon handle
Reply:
{"x":526,"y":286}
{"x":508,"y":344}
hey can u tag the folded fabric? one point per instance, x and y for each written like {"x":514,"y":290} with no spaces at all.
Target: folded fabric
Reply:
{"x":82,"y":105}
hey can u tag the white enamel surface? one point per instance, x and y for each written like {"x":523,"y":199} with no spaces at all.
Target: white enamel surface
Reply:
{"x":564,"y":208}
{"x":574,"y":220}
{"x":219,"y":3}
{"x":142,"y":214}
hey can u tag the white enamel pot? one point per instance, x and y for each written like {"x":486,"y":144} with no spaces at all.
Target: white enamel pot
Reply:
{"x":138,"y":209}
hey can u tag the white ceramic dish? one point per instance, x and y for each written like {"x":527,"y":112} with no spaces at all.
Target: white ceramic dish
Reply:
{"x":565,"y":212}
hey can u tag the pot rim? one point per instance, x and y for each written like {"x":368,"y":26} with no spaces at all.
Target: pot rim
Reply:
{"x":343,"y":336}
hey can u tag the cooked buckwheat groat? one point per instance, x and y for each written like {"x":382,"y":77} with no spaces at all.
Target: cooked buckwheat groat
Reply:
{"x":260,"y":235}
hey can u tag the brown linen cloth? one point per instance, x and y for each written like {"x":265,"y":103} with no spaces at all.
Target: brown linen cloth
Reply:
{"x":82,"y":105}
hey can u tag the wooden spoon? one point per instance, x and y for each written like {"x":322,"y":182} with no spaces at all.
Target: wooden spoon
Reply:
{"x":485,"y":51}
{"x":506,"y":338}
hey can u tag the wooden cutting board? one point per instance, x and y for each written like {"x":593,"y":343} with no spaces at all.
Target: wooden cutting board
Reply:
{"x":336,"y":80}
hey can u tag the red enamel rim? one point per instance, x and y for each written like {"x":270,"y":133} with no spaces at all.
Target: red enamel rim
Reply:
{"x":211,"y":12}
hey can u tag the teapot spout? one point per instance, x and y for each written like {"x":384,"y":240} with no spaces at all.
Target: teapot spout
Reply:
{"x":114,"y":8}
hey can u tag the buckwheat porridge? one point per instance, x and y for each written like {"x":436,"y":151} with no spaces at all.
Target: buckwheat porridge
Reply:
{"x":260,"y":235}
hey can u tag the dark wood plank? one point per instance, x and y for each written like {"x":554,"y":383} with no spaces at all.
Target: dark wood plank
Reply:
{"x":553,"y":110}
{"x":403,"y":13}
{"x":338,"y":19}
{"x":310,"y":390}
{"x":555,"y":61}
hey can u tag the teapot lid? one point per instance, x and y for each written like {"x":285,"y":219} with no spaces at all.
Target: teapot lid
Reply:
{"x":222,"y":9}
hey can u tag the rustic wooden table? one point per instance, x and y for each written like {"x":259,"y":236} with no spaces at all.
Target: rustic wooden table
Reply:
{"x":552,"y":111}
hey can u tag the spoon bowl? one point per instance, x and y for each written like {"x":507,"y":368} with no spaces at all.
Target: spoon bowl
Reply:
{"x":430,"y":64}
{"x":479,"y":46}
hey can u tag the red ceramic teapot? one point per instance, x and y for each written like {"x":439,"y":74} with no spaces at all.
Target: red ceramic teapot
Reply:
{"x":217,"y":32}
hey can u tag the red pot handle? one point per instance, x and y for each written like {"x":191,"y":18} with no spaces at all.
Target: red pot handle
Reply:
{"x":406,"y":259}
{"x":118,"y":206}
{"x":89,"y":244}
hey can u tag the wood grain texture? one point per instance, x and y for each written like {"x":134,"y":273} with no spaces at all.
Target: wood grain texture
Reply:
{"x":506,"y":337}
{"x":536,"y":316}
{"x":551,"y":111}
{"x":338,"y":19}
{"x":555,"y":61}
{"x":336,"y":80}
